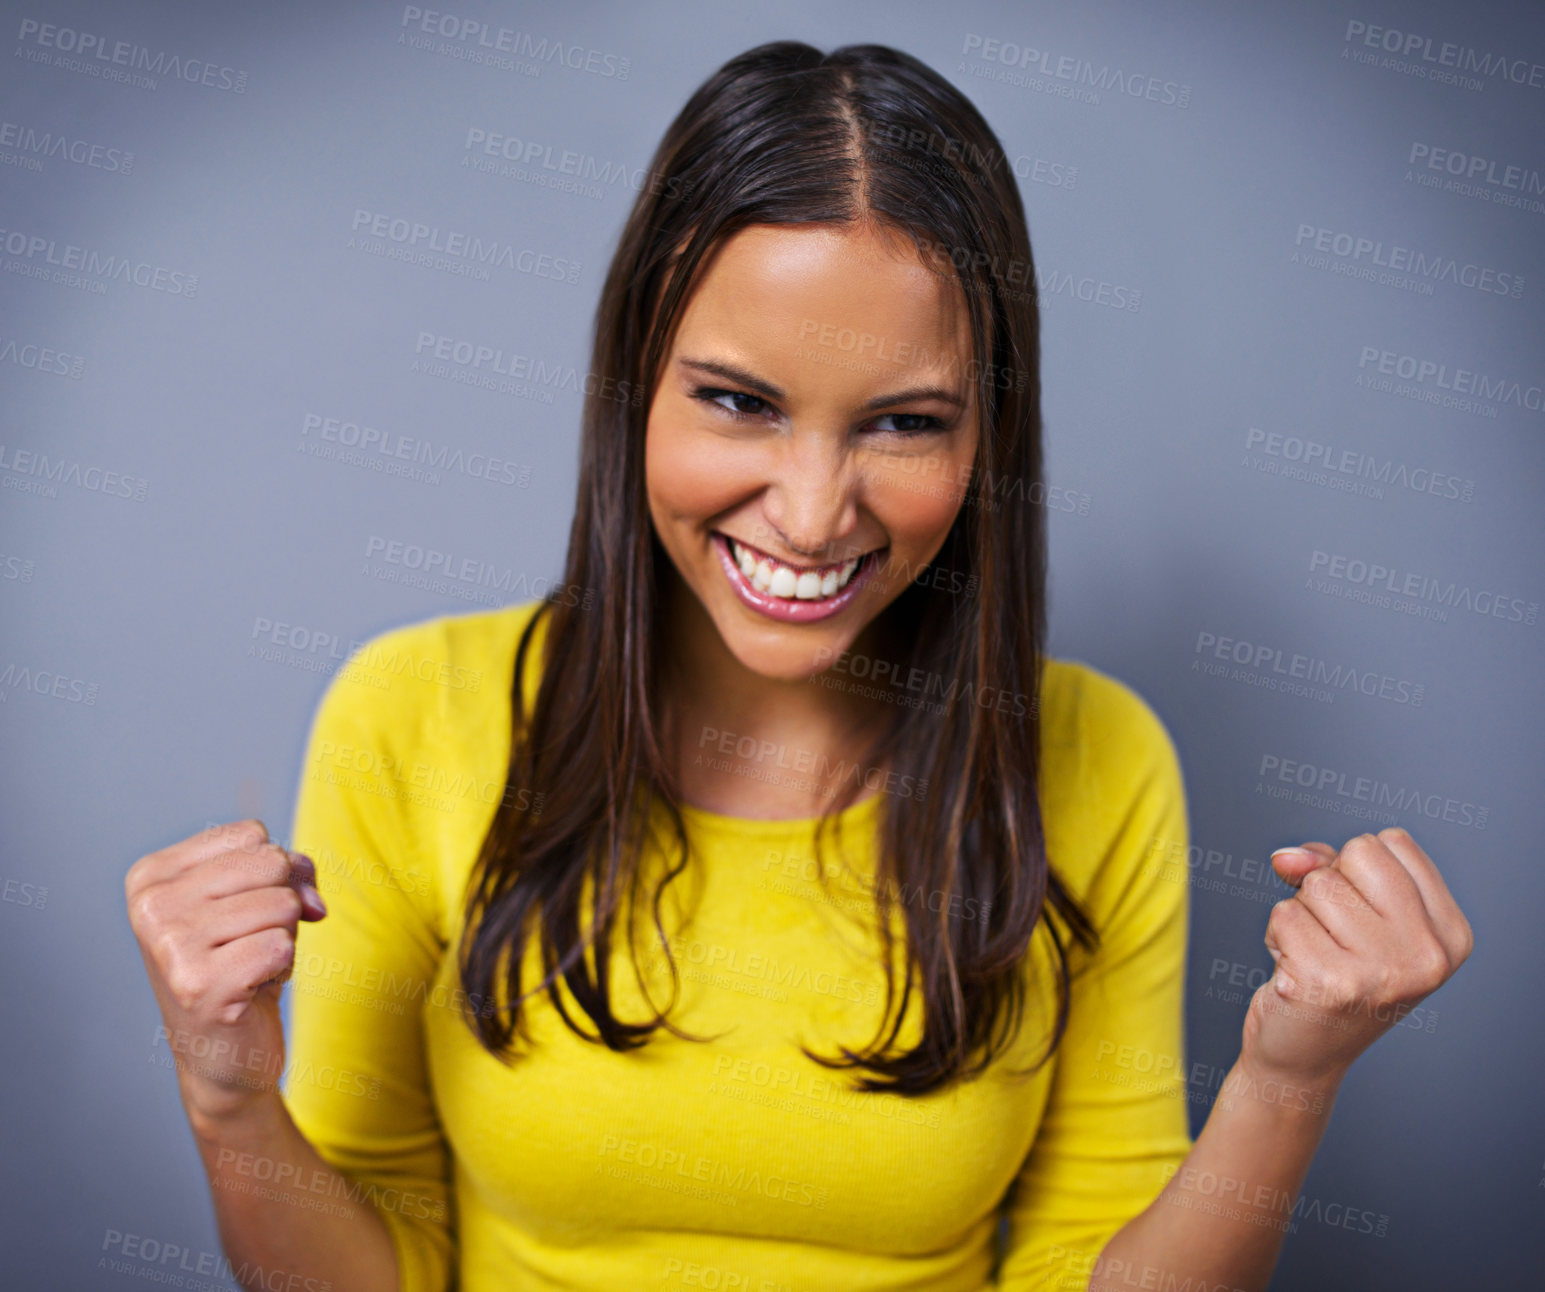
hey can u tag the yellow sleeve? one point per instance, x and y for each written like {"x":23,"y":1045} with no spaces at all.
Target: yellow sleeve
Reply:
{"x":1116,"y":1114}
{"x":356,"y":1081}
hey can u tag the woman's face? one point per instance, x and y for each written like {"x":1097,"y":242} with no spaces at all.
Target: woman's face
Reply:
{"x":815,"y":408}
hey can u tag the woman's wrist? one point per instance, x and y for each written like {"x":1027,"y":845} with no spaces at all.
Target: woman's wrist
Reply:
{"x":1295,"y":1090}
{"x":216,"y":1113}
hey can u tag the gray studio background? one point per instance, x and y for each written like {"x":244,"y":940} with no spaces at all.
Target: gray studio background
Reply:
{"x":1242,"y":208}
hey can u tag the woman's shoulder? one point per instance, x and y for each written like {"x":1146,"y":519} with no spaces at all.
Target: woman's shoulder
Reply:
{"x":1084,"y":707}
{"x":418,"y":718}
{"x":1111,"y":783}
{"x":431,"y":668}
{"x":472,"y":636}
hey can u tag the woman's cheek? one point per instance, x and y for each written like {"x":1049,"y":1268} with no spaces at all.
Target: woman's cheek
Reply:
{"x":917,"y":501}
{"x":695,"y":475}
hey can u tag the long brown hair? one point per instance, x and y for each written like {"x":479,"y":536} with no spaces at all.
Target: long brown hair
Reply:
{"x":784,"y":134}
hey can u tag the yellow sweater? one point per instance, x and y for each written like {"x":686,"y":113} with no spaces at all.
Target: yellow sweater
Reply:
{"x":734,"y":1163}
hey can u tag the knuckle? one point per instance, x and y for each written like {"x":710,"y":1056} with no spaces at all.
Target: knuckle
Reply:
{"x":266,"y":863}
{"x":1385,"y":982}
{"x":245,"y":836}
{"x":279,"y":961}
{"x":184,"y":983}
{"x":1318,"y":883}
{"x":1360,"y":843}
{"x":236,"y":834}
{"x":1432,"y":964}
{"x":146,"y":910}
{"x":252,"y":827}
{"x":167,"y":949}
{"x":1284,"y":915}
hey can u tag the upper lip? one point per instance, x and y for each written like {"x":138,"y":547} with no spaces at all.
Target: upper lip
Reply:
{"x":794,"y":565}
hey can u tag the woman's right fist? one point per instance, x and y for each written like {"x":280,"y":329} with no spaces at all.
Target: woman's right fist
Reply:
{"x":215,"y":917}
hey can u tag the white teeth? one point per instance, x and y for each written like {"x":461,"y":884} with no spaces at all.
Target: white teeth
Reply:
{"x":808,"y":586}
{"x":781,"y":581}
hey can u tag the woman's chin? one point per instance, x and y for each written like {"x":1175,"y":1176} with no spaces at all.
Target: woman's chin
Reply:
{"x":789,"y":663}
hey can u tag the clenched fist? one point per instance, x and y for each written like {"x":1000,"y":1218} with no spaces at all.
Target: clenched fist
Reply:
{"x":215,"y":917}
{"x":1371,"y":932}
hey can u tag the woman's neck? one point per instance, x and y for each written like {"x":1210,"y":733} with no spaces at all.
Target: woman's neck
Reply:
{"x":748,"y":745}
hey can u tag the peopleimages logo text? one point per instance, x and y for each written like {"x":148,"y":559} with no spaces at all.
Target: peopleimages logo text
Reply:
{"x":1445,"y":54}
{"x":1472,"y":167}
{"x":1422,"y":587}
{"x":1410,"y":260}
{"x":123,"y":53}
{"x":1080,"y":71}
{"x":1328,"y":784}
{"x":476,"y":33}
{"x":1454,"y":378}
{"x":458,"y":244}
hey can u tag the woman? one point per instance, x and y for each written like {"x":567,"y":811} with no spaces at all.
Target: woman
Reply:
{"x":849,"y":957}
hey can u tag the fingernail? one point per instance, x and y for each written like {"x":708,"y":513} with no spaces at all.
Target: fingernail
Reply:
{"x":312,"y":900}
{"x":1293,"y":854}
{"x":303,"y":867}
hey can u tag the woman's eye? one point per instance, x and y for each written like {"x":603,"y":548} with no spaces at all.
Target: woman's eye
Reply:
{"x":738,"y":401}
{"x":919,"y":423}
{"x":738,"y":404}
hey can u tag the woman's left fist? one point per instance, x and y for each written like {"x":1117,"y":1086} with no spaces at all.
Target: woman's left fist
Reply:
{"x":1371,"y":932}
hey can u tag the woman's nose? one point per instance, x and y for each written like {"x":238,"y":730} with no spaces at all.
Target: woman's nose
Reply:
{"x":811,"y":502}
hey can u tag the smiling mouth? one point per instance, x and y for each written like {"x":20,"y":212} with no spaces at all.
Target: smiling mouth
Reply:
{"x":776,"y":578}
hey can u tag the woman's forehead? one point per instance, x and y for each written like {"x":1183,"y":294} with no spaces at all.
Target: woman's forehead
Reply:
{"x":799,"y":282}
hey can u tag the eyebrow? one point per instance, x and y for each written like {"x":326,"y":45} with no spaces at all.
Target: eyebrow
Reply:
{"x":731,"y":372}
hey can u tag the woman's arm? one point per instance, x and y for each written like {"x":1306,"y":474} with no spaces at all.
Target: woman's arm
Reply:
{"x":326,"y":1163}
{"x":1372,"y":931}
{"x":216,"y":916}
{"x":1223,"y":1215}
{"x":282,"y":1210}
{"x":1114,"y":1126}
{"x":358,"y":1088}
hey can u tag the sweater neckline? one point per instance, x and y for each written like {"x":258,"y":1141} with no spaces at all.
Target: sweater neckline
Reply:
{"x":853,"y":814}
